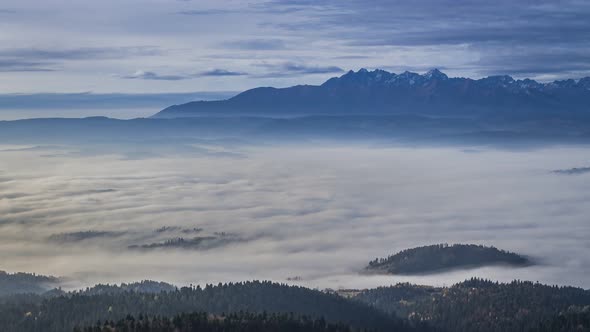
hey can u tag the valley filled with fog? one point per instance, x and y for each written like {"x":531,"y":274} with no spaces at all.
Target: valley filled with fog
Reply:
{"x":313,"y":215}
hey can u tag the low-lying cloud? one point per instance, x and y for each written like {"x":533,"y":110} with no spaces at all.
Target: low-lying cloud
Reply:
{"x":314,"y":215}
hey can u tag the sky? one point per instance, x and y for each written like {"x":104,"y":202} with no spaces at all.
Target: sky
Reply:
{"x":318,"y":212}
{"x":172,"y":46}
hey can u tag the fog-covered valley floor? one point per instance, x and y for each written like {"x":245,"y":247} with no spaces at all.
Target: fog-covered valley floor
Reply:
{"x":315,"y":215}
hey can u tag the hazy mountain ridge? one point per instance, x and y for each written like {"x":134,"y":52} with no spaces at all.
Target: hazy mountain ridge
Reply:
{"x":382,"y":92}
{"x":16,"y":283}
{"x":405,"y":108}
{"x":399,"y":128}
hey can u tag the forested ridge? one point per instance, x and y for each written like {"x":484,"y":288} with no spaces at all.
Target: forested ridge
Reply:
{"x":438,"y":257}
{"x":473,"y":305}
{"x":478,"y":305}
{"x":235,"y":322}
{"x":64,"y":312}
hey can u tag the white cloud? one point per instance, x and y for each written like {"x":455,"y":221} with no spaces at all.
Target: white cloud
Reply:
{"x":320,"y":213}
{"x":91,"y":44}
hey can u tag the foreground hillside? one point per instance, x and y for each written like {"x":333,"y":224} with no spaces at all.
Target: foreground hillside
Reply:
{"x":203,"y":322}
{"x":473,"y":305}
{"x":65,"y":312}
{"x":482,"y":306}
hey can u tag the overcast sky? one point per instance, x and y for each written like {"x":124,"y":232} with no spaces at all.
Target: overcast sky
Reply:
{"x":165,"y":46}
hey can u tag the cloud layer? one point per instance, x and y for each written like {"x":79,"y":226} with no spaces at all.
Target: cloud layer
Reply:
{"x":317,"y":213}
{"x":57,"y":46}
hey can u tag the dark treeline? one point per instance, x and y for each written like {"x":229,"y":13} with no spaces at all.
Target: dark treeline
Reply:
{"x":64,"y":312}
{"x":200,"y":242}
{"x":146,"y":286}
{"x":442,"y":256}
{"x":478,"y":305}
{"x":236,"y":322}
{"x":574,"y":319}
{"x":473,"y":305}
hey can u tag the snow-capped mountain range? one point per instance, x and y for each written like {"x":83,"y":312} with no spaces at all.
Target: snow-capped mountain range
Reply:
{"x":381,"y":92}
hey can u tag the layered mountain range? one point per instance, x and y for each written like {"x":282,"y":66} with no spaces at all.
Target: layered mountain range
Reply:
{"x":379,"y":92}
{"x":408,"y":108}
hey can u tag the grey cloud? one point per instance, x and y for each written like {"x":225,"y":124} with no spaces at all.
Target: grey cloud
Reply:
{"x":86,"y":53}
{"x":221,"y":72}
{"x":289,"y":69}
{"x":351,"y":57}
{"x":150,"y":75}
{"x":304,"y":69}
{"x":256,"y":44}
{"x":205,"y":12}
{"x":428,"y":22}
{"x":18,"y":65}
{"x":46,"y":60}
{"x":470,"y":38}
{"x":532,"y":30}
{"x":533,"y":61}
{"x":51,"y":101}
{"x":573,"y":171}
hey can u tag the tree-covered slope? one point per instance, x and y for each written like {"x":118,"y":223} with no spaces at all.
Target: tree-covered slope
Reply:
{"x":433,"y":258}
{"x":63,"y":313}
{"x":15,"y":283}
{"x":204,"y":322}
{"x":477,"y":305}
{"x":574,"y":319}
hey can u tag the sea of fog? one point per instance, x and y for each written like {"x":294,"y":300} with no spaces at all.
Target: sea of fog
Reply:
{"x":316,"y":214}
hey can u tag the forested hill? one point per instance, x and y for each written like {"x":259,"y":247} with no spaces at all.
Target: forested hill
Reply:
{"x":434,"y":258}
{"x":470,"y":306}
{"x":15,"y":283}
{"x":483,"y":306}
{"x":236,"y":322}
{"x":63,"y":313}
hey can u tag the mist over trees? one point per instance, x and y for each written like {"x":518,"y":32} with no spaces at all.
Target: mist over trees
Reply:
{"x":16,"y":283}
{"x":433,"y":258}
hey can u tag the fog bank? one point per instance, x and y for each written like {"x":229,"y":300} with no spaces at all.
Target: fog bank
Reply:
{"x":318,"y":213}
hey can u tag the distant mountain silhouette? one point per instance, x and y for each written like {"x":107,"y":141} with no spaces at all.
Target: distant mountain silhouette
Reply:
{"x":406,"y":108}
{"x":380,"y":92}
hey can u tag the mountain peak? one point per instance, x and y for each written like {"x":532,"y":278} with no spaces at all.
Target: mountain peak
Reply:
{"x":436,"y":74}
